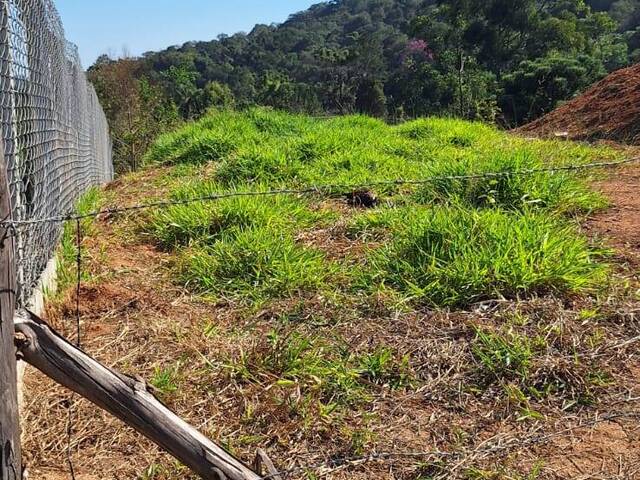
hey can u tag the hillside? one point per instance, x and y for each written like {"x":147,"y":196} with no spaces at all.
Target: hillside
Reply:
{"x":608,"y":111}
{"x":445,"y":328}
{"x":393,"y":59}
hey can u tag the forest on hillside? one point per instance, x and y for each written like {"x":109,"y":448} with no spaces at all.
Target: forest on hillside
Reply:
{"x":503,"y":61}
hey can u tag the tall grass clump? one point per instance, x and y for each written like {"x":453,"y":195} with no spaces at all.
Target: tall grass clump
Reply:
{"x":192,"y":144}
{"x":259,"y":164}
{"x":511,"y":188}
{"x":278,"y":123}
{"x":449,"y":132}
{"x":210,"y":139}
{"x":457,"y":256}
{"x":205,"y":222}
{"x":266,"y":146}
{"x":255,"y":264}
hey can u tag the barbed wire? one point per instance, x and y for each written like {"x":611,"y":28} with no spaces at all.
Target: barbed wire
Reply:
{"x":72,"y":396}
{"x":314,"y":189}
{"x":332,"y":465}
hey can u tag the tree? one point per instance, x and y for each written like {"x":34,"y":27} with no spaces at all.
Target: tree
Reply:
{"x":219,"y":95}
{"x":181,"y":85}
{"x":136,"y":109}
{"x":537,"y":86}
{"x":469,"y":58}
{"x":370,"y":98}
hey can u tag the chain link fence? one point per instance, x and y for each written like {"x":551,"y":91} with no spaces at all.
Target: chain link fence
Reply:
{"x":55,"y":134}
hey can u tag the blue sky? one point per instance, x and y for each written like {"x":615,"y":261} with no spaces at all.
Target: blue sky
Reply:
{"x":108,"y":26}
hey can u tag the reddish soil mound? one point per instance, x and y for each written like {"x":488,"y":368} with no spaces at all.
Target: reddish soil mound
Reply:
{"x":610,"y":110}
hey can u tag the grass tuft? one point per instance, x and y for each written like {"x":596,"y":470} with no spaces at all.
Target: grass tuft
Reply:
{"x":255,"y":264}
{"x":506,"y":355}
{"x":457,"y":256}
{"x":510,"y":190}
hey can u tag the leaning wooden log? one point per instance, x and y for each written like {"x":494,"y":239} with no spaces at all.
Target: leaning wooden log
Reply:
{"x":124,"y":397}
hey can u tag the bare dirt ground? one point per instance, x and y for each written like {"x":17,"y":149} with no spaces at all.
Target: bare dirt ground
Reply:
{"x":609,"y":110}
{"x":621,"y":223}
{"x":135,"y":319}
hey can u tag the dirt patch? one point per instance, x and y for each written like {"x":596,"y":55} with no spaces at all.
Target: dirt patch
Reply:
{"x":619,"y":225}
{"x":600,"y":450}
{"x":610,"y":110}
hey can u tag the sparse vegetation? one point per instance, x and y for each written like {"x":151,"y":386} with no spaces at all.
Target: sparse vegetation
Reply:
{"x":68,"y":251}
{"x":504,"y":355}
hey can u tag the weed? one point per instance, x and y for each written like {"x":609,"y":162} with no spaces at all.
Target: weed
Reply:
{"x":450,"y":255}
{"x":297,"y":361}
{"x":165,"y":380}
{"x":503,"y":355}
{"x":381,"y":367}
{"x":258,"y":164}
{"x":504,"y":473}
{"x":360,"y":439}
{"x":520,"y":399}
{"x":315,"y":365}
{"x":266,"y":145}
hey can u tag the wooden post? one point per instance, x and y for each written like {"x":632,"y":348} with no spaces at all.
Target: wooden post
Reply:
{"x":10,"y":459}
{"x":126,"y":398}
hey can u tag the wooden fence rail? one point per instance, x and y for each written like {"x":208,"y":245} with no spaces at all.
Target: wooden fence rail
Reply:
{"x":28,"y":337}
{"x":126,"y":398}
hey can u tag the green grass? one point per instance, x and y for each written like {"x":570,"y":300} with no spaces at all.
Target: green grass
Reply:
{"x":279,"y":147}
{"x":322,"y":368}
{"x":166,"y":380}
{"x":255,"y":264}
{"x":504,"y":355}
{"x":447,"y":243}
{"x":452,"y":256}
{"x":557,"y":190}
{"x":205,"y":222}
{"x":66,"y":273}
